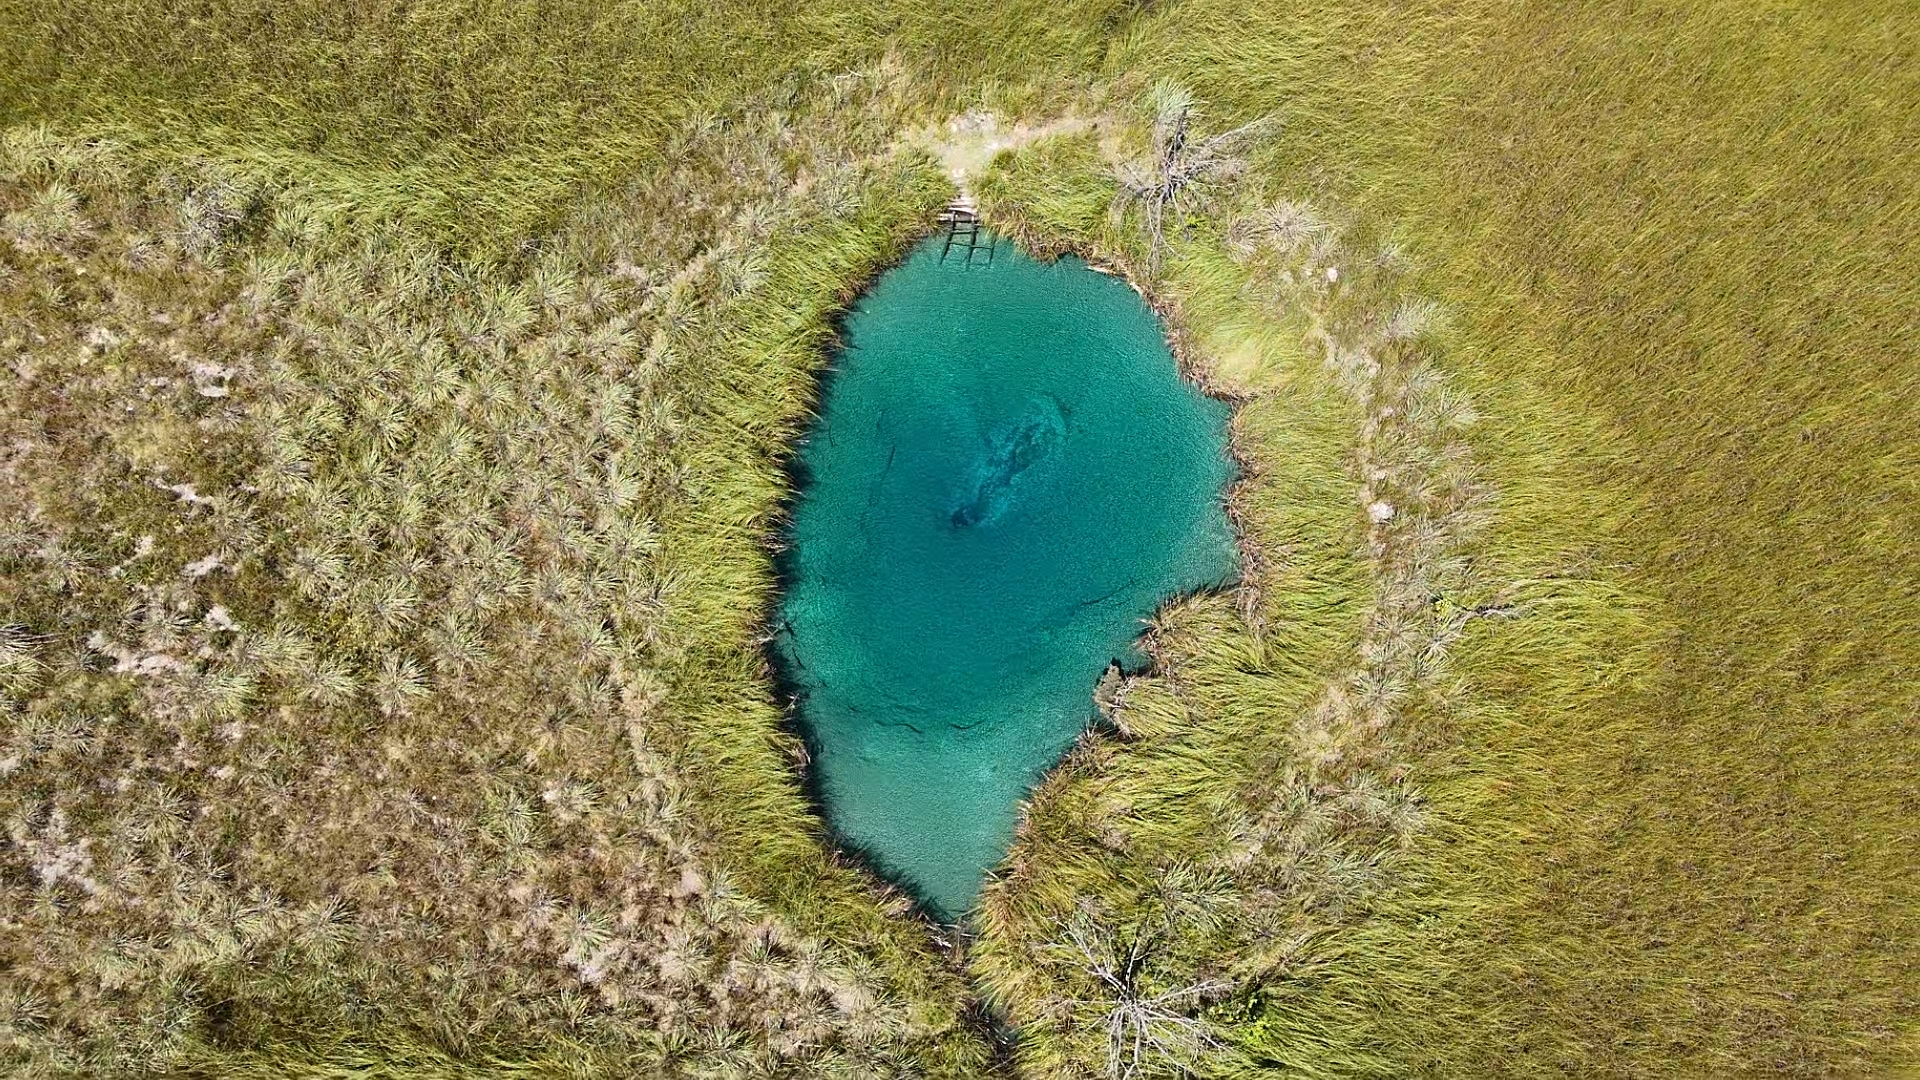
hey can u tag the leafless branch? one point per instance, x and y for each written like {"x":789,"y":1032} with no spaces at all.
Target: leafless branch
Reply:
{"x":1142,"y":1026}
{"x":1179,"y":165}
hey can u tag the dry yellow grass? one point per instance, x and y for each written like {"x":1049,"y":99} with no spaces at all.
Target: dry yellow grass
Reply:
{"x":392,"y":426}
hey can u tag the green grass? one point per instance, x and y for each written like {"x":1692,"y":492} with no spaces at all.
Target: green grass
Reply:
{"x":517,"y":309}
{"x":436,"y":772}
{"x":1678,"y":232}
{"x":479,"y":123}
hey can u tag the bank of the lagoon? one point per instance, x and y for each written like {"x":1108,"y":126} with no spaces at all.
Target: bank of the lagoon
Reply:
{"x":1007,"y":476}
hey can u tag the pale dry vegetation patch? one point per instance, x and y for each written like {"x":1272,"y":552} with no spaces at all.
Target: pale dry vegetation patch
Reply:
{"x":341,"y":641}
{"x":1326,"y":815}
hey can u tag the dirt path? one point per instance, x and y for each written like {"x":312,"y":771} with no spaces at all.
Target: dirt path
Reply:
{"x":965,"y":144}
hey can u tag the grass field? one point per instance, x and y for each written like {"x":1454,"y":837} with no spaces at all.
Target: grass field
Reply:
{"x":395,"y":404}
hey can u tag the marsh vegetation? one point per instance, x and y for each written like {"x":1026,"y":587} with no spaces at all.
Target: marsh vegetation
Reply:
{"x":394,"y":426}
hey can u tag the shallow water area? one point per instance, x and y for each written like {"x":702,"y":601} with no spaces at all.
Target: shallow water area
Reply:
{"x":1007,"y":476}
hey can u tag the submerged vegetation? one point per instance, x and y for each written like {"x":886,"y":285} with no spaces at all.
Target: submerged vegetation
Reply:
{"x":395,"y":409}
{"x":1006,"y":476}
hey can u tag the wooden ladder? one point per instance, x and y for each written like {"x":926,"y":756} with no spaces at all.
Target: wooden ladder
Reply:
{"x":962,"y":220}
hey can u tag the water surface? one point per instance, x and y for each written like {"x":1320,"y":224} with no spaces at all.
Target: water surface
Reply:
{"x":1006,"y":477}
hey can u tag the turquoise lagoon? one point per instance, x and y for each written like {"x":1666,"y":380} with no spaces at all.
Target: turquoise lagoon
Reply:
{"x":1005,"y":478}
